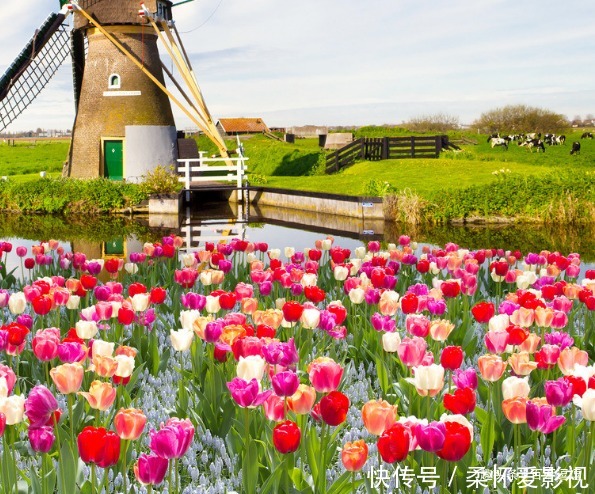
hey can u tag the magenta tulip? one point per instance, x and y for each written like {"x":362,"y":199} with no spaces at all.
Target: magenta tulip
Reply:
{"x":541,"y":418}
{"x":40,"y":406}
{"x":558,"y":393}
{"x":431,"y":437}
{"x":150,"y":469}
{"x":173,"y":439}
{"x":285,"y":383}
{"x":41,"y":438}
{"x":247,"y":394}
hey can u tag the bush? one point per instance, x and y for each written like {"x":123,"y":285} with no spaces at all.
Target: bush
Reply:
{"x":378,"y":188}
{"x":520,"y":118}
{"x":161,"y":180}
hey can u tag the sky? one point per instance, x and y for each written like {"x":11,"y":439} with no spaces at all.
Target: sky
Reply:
{"x":354,"y":62}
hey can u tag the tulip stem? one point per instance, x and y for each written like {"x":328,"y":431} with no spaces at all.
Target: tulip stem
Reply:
{"x":60,"y":462}
{"x":70,"y":397}
{"x":589,"y":450}
{"x":169,"y":476}
{"x":43,"y":474}
{"x":177,"y":474}
{"x":353,"y":489}
{"x":124,"y":470}
{"x":381,"y":486}
{"x":93,"y":479}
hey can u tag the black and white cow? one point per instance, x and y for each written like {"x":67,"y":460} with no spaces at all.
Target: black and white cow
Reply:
{"x":498,"y":141}
{"x":576,"y":148}
{"x":495,"y":135}
{"x":559,"y":140}
{"x":587,"y":135}
{"x":533,"y":143}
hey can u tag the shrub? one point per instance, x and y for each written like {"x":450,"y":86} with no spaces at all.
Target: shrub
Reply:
{"x":379,"y":188}
{"x":161,"y":180}
{"x":405,"y":206}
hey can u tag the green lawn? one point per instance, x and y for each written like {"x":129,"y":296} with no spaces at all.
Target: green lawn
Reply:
{"x":32,"y":157}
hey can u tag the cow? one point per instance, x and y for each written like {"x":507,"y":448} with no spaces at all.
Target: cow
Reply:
{"x":549,"y":139}
{"x":559,"y":140}
{"x":498,"y":141}
{"x":495,"y":135}
{"x":533,"y":135}
{"x":576,"y":148}
{"x":587,"y":135}
{"x":533,"y":143}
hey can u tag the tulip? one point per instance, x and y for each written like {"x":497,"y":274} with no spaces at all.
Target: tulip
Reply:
{"x":41,"y":438}
{"x":431,"y":437}
{"x":412,"y":351}
{"x":391,"y":342}
{"x":129,"y":423}
{"x":417,"y":325}
{"x":325,"y":374}
{"x":302,"y":401}
{"x":286,"y":437}
{"x":101,"y":395}
{"x":587,"y":405}
{"x":71,"y":351}
{"x":515,"y":410}
{"x":491,"y":367}
{"x":247,"y":394}
{"x":13,"y":409}
{"x":251,"y":367}
{"x":461,"y":402}
{"x":280,"y":353}
{"x":99,"y":446}
{"x":378,"y":415}
{"x":558,"y":393}
{"x":86,"y":329}
{"x":393,"y":444}
{"x":285,"y":383}
{"x":274,"y":408}
{"x":40,"y":406}
{"x":457,"y":442}
{"x":354,"y":455}
{"x":427,"y":379}
{"x":173,"y":439}
{"x":451,"y":357}
{"x":104,"y":366}
{"x":334,"y":407}
{"x":515,"y":387}
{"x":17,"y":303}
{"x":465,"y":378}
{"x":440,"y":329}
{"x":150,"y":469}
{"x":45,"y":344}
{"x":570,"y":357}
{"x":67,"y":377}
{"x":542,"y":418}
{"x":181,"y":340}
{"x":520,"y":363}
{"x":10,"y":380}
{"x":483,"y":311}
{"x":496,"y":341}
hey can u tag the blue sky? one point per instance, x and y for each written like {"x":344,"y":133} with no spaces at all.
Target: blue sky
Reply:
{"x":343,"y":62}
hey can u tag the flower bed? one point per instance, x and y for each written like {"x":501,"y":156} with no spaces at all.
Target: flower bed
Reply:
{"x":239,"y":368}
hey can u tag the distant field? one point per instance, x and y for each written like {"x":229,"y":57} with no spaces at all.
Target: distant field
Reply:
{"x":29,"y":157}
{"x":280,"y":164}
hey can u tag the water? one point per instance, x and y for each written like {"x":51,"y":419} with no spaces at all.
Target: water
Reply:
{"x":118,"y":236}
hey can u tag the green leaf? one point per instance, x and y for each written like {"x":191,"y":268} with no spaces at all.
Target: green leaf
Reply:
{"x":68,"y":475}
{"x":250,"y":468}
{"x":487,"y":435}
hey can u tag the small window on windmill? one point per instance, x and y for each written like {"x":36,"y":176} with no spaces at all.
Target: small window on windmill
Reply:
{"x":163,"y":12}
{"x":114,"y":81}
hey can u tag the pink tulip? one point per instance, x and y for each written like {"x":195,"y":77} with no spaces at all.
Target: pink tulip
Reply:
{"x":150,"y":469}
{"x":280,"y":353}
{"x":247,"y":394}
{"x":71,"y":351}
{"x":285,"y":383}
{"x":274,"y":408}
{"x":417,"y":325}
{"x":541,"y":418}
{"x":560,"y":320}
{"x":465,"y":378}
{"x":412,"y":351}
{"x":40,"y":406}
{"x":45,"y":344}
{"x":173,"y":439}
{"x":430,"y":437}
{"x":558,"y":393}
{"x":496,"y":341}
{"x":41,"y":438}
{"x":325,"y":374}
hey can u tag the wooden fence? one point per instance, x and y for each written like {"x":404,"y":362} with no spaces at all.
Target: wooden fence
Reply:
{"x":384,"y":148}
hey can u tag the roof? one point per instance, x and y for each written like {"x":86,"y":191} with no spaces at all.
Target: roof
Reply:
{"x":231,"y":125}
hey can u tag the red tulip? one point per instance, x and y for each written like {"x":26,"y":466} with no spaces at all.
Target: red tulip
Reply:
{"x":29,"y":263}
{"x":112,"y":265}
{"x":42,"y":304}
{"x":314,"y":294}
{"x":516,"y":334}
{"x":227,"y":300}
{"x":88,"y":281}
{"x":423,"y":266}
{"x":135,"y":288}
{"x":462,"y":401}
{"x":339,"y":311}
{"x":286,"y":437}
{"x":125,"y":316}
{"x":96,"y":445}
{"x":451,"y":357}
{"x":157,"y":295}
{"x":314,"y":254}
{"x":16,"y":333}
{"x":409,"y":303}
{"x":483,"y":311}
{"x":393,"y":444}
{"x":334,"y":407}
{"x":292,"y":311}
{"x":450,"y":288}
{"x":456,"y":443}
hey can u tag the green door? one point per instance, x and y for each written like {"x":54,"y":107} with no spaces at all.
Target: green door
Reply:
{"x":113,"y":155}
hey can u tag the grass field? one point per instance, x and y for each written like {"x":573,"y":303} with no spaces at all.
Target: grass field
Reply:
{"x":280,"y":164}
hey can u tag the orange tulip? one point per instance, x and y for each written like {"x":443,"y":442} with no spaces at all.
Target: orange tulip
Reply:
{"x":354,"y":455}
{"x":515,"y":410}
{"x":521,"y":364}
{"x":270,"y":317}
{"x":105,"y":366}
{"x":570,"y":357}
{"x":440,"y":329}
{"x":67,"y":377}
{"x":101,"y":395}
{"x":302,"y":401}
{"x":378,"y":415}
{"x":544,"y":316}
{"x":231,"y":333}
{"x":130,"y":423}
{"x":126,"y":350}
{"x":249,"y":305}
{"x":491,"y":367}
{"x":523,"y":317}
{"x":530,"y":344}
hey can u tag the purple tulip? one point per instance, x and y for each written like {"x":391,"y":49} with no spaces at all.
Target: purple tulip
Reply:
{"x":93,"y":268}
{"x":540,"y":418}
{"x":383,"y":323}
{"x":102,"y":293}
{"x":247,"y":394}
{"x":225,"y":265}
{"x":40,"y":405}
{"x":436,"y":307}
{"x":265,"y":288}
{"x":328,"y":320}
{"x":213,"y":331}
{"x":26,"y":320}
{"x":390,"y":282}
{"x":507,"y":307}
{"x":558,"y":393}
{"x":409,"y":259}
{"x":150,"y":469}
{"x":296,"y":289}
{"x":194,"y":301}
{"x":559,"y":338}
{"x":285,"y":383}
{"x":431,"y":437}
{"x":41,"y":438}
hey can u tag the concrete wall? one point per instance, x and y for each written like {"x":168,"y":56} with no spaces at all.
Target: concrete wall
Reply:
{"x":148,"y":146}
{"x":324,"y":203}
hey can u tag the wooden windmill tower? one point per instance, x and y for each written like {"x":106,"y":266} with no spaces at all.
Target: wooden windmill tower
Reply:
{"x":124,"y":124}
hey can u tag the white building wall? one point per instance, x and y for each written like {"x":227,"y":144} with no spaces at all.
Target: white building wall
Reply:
{"x":146,"y":147}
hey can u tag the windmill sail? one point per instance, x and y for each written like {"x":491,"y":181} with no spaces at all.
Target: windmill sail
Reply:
{"x":33,"y":68}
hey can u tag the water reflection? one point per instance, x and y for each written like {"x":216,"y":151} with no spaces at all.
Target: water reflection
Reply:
{"x":118,"y":236}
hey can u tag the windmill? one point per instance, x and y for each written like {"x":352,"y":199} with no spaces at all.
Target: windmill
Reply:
{"x":124,"y":124}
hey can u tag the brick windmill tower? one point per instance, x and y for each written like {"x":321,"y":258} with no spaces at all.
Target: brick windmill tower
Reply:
{"x":124,"y":124}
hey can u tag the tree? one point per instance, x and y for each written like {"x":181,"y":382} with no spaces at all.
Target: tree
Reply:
{"x":439,"y":122}
{"x":521,"y":118}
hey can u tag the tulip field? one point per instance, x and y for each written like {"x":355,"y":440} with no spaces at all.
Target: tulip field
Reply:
{"x":248,"y":368}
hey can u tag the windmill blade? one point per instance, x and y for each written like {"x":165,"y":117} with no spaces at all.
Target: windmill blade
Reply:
{"x":33,"y":68}
{"x":78,"y":50}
